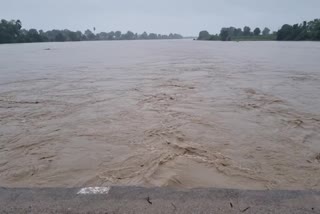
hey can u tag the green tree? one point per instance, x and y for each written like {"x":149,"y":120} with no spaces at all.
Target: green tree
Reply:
{"x":111,"y":35}
{"x":118,"y":35}
{"x":60,"y":37}
{"x":266,"y":31}
{"x":34,"y":36}
{"x":285,"y":32}
{"x":224,"y":34}
{"x":238,"y":32}
{"x":144,"y":35}
{"x":9,"y":31}
{"x":304,"y":31}
{"x":153,"y":36}
{"x":89,"y":35}
{"x":257,"y":31}
{"x":246,"y":31}
{"x":215,"y":37}
{"x":79,"y":35}
{"x":177,"y":36}
{"x":204,"y":35}
{"x":102,"y":36}
{"x":128,"y":36}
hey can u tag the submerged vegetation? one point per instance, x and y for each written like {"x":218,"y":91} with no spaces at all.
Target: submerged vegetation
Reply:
{"x":298,"y":32}
{"x":12,"y":32}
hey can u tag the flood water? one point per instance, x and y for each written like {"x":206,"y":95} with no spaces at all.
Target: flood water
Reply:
{"x":160,"y":113}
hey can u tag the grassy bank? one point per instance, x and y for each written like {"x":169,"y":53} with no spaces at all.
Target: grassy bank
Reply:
{"x":255,"y":38}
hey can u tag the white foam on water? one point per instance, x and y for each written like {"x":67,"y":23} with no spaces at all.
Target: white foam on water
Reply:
{"x":94,"y":190}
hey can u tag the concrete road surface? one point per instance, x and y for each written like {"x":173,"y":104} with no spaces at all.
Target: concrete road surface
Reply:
{"x":156,"y":200}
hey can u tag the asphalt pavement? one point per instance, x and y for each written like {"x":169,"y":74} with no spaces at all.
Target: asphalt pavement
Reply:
{"x":155,"y":200}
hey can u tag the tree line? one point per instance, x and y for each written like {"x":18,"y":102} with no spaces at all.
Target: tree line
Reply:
{"x":232,"y":33}
{"x":298,"y":32}
{"x":12,"y":32}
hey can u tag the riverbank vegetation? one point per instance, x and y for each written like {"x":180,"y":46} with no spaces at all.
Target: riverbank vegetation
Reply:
{"x":12,"y":32}
{"x":298,"y":32}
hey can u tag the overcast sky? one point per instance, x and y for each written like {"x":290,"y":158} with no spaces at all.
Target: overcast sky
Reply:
{"x":187,"y":17}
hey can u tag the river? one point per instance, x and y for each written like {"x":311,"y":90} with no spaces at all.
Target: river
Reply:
{"x":175,"y":113}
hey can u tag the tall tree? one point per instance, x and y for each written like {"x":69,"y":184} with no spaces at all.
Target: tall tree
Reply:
{"x":257,"y":31}
{"x":111,"y":35}
{"x":117,"y":35}
{"x":144,"y":35}
{"x":89,"y":35}
{"x":285,"y":32}
{"x":60,"y":37}
{"x":224,"y":34}
{"x":246,"y":31}
{"x":266,"y":31}
{"x":238,"y":32}
{"x":128,"y":36}
{"x":9,"y":31}
{"x":204,"y":35}
{"x":153,"y":36}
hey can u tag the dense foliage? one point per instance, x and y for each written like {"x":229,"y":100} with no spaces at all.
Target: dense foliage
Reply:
{"x":305,"y":31}
{"x":232,"y":33}
{"x":12,"y":32}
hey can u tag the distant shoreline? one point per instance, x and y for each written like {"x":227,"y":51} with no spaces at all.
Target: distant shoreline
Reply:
{"x":306,"y":31}
{"x":12,"y":32}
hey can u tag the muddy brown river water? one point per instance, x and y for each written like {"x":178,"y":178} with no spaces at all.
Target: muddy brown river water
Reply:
{"x":160,"y":113}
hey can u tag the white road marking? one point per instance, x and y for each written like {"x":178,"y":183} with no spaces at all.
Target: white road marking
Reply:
{"x":94,"y":190}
